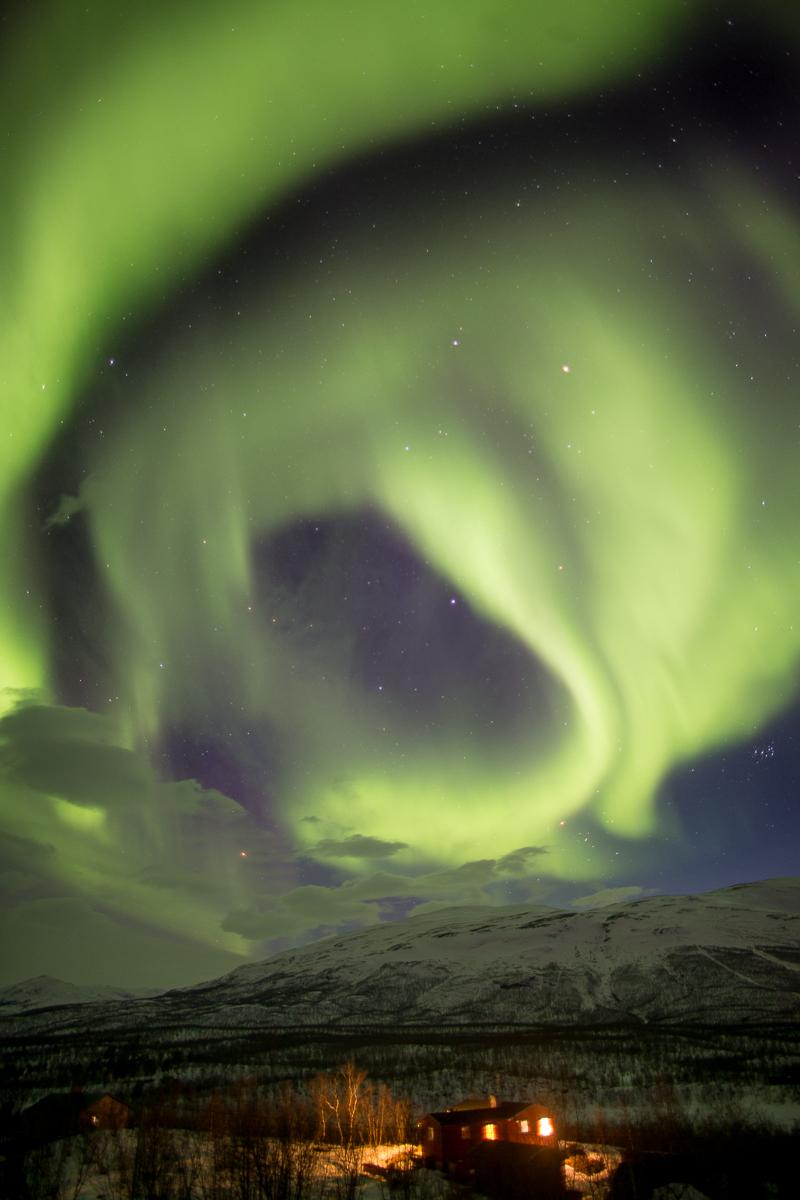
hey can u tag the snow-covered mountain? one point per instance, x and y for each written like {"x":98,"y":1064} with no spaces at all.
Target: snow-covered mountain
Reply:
{"x":726,"y":957}
{"x":44,"y":991}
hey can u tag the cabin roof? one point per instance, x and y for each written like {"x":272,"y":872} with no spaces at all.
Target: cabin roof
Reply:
{"x":505,"y":1110}
{"x":65,"y":1103}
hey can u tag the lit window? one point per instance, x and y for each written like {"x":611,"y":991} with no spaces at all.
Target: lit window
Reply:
{"x":523,"y":1127}
{"x":490,"y":1133}
{"x":430,"y":1133}
{"x":544,"y":1127}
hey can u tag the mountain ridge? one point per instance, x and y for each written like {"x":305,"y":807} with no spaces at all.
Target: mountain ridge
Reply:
{"x":46,"y":991}
{"x":729,"y":956}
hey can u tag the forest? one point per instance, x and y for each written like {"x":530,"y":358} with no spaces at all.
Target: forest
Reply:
{"x":324,"y":1116}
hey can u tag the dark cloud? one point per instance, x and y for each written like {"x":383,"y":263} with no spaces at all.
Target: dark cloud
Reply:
{"x":518,"y":861}
{"x":363,"y":900}
{"x":72,"y":753}
{"x":28,"y":870}
{"x":86,"y":824}
{"x":68,"y":507}
{"x":606,"y":896}
{"x":357,"y":846}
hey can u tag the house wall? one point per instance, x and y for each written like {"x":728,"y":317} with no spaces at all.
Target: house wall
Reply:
{"x":430,"y":1139}
{"x":448,"y":1147}
{"x":531,"y":1114}
{"x":105,"y":1113}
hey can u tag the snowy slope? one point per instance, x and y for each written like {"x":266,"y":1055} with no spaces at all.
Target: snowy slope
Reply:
{"x":728,"y":956}
{"x":44,"y":991}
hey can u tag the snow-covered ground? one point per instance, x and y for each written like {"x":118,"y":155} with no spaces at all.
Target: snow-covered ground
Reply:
{"x":183,"y":1164}
{"x":101,"y":1168}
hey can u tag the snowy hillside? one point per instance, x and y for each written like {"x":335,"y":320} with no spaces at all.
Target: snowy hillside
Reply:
{"x":726,"y":957}
{"x":731,"y":955}
{"x":44,"y":991}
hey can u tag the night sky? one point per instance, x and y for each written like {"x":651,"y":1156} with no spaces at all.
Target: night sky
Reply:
{"x":399,"y":466}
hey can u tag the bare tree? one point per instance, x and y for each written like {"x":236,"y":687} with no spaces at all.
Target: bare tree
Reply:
{"x":340,"y":1100}
{"x":351,"y":1110}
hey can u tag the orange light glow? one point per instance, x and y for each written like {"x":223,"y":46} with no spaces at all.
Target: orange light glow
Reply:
{"x":490,"y":1133}
{"x":544,"y":1127}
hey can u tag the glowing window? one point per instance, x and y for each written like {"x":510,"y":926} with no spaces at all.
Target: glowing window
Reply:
{"x":430,"y":1133}
{"x":544,"y":1127}
{"x":465,"y":1131}
{"x":523,"y":1127}
{"x":490,"y":1133}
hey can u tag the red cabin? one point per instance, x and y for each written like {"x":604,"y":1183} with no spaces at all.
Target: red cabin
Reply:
{"x":446,"y":1138}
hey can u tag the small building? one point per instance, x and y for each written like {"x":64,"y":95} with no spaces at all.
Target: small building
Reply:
{"x":447,"y":1138}
{"x":65,"y":1114}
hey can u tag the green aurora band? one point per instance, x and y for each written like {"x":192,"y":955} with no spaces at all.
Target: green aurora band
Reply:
{"x":140,"y":139}
{"x":625,"y":520}
{"x":630,"y":521}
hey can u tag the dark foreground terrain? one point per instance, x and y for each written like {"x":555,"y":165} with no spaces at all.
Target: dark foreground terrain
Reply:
{"x":719,"y":1106}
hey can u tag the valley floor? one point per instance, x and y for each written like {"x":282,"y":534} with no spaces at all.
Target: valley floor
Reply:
{"x":729,"y":1095}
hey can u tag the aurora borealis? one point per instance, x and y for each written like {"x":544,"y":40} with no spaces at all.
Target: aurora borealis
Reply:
{"x":399,"y":468}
